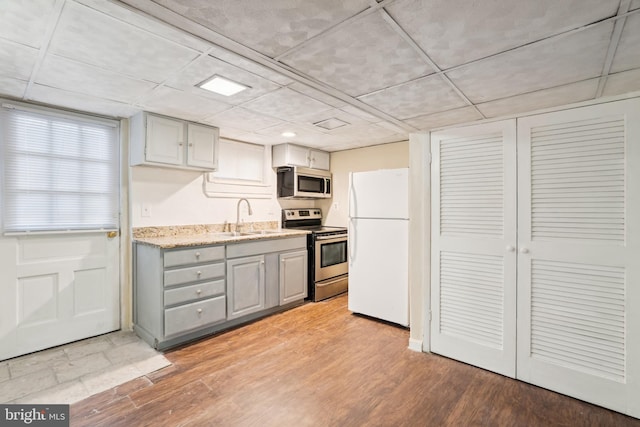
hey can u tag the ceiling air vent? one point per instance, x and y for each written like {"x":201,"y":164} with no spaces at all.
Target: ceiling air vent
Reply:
{"x":331,"y":124}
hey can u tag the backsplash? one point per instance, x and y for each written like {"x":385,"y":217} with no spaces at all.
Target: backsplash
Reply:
{"x":189,"y":230}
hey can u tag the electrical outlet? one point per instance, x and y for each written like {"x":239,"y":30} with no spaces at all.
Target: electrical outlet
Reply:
{"x":146,"y":210}
{"x":336,"y":206}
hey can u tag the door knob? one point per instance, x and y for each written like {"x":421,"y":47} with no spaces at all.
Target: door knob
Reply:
{"x":524,"y":250}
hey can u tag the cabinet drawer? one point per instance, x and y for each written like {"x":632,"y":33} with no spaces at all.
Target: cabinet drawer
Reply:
{"x":192,"y":274}
{"x":193,"y":292}
{"x":194,"y":315}
{"x":193,"y":256}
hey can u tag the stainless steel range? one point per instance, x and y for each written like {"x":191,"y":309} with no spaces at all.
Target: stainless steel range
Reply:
{"x":327,"y":246}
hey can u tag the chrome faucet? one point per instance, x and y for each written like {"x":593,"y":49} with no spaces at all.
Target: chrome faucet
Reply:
{"x":238,"y":213}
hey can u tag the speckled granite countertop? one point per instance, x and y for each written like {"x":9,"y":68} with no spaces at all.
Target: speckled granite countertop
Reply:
{"x":212,"y":238}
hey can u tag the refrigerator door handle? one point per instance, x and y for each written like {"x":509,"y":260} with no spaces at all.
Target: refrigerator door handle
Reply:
{"x":351,"y":237}
{"x":352,"y":198}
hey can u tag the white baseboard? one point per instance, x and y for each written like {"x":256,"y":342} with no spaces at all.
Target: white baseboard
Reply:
{"x":415,"y":345}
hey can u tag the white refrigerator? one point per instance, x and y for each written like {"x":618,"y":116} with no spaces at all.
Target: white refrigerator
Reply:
{"x":379,"y":244}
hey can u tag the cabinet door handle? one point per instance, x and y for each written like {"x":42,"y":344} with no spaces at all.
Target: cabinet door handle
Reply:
{"x":197,"y":254}
{"x":180,"y":144}
{"x":190,"y":144}
{"x":199,"y":273}
{"x":199,"y":311}
{"x":510,"y":248}
{"x":199,"y":291}
{"x":524,"y":250}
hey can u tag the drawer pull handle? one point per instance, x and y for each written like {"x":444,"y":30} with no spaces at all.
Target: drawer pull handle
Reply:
{"x":199,"y":273}
{"x":199,"y":291}
{"x":199,"y":311}
{"x":197,"y":254}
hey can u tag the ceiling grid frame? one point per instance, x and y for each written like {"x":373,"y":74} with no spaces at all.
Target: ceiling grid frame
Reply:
{"x":613,"y":45}
{"x":46,"y":41}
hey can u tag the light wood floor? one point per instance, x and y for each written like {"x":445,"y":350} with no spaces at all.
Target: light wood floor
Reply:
{"x":319,"y":365}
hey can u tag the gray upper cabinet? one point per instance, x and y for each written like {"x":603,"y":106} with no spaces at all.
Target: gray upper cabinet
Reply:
{"x":164,"y":141}
{"x":297,"y":155}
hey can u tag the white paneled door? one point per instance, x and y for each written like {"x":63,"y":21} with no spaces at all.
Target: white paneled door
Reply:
{"x":575,"y":265}
{"x":61,"y":288}
{"x":579,"y":261}
{"x":473,"y":245}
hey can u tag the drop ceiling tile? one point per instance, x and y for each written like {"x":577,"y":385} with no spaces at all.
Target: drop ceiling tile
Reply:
{"x":334,"y":113}
{"x":303,"y":136}
{"x":16,"y":60}
{"x":175,"y":103}
{"x":154,"y":26}
{"x":545,"y":98}
{"x":269,"y":27}
{"x":25,"y":22}
{"x":454,"y":32}
{"x":207,"y":66}
{"x":12,"y":87}
{"x":550,"y":63}
{"x":623,"y":82}
{"x":316,"y":94}
{"x":286,"y":104}
{"x":242,"y":119}
{"x":445,"y":118}
{"x":246,"y":64}
{"x":237,"y":134}
{"x":80,"y":102}
{"x":422,"y":96}
{"x":635,"y":4}
{"x":365,"y":56}
{"x":77,"y":77}
{"x":360,"y":113}
{"x":627,"y":54}
{"x":89,"y":36}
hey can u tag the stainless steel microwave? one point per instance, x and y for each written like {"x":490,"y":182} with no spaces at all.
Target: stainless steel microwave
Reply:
{"x":303,"y":183}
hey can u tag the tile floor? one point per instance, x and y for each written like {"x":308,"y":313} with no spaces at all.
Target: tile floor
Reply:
{"x":75,"y":371}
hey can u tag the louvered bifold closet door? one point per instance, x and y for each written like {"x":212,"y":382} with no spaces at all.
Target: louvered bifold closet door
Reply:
{"x":473,"y":245}
{"x":578,"y":261}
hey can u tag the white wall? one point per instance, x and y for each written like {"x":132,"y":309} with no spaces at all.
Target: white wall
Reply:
{"x":387,"y":156}
{"x":175,"y":197}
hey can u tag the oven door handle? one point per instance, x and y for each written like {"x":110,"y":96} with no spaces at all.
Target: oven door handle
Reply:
{"x":333,"y":237}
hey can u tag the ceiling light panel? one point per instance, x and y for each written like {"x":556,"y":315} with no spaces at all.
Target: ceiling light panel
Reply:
{"x":222,"y":86}
{"x":203,"y":68}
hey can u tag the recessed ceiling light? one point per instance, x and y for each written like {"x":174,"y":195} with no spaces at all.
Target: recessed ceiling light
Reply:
{"x":288,"y":134}
{"x":331,"y":124}
{"x":222,"y":86}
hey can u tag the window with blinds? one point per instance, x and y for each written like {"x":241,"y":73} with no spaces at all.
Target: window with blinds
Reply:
{"x":60,"y":171}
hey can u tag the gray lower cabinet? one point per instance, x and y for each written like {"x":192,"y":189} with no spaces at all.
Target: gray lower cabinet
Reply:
{"x":245,"y":286}
{"x":293,"y":276}
{"x":185,"y":293}
{"x":178,"y":292}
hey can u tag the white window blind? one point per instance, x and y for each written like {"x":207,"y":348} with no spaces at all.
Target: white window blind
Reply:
{"x":60,"y":171}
